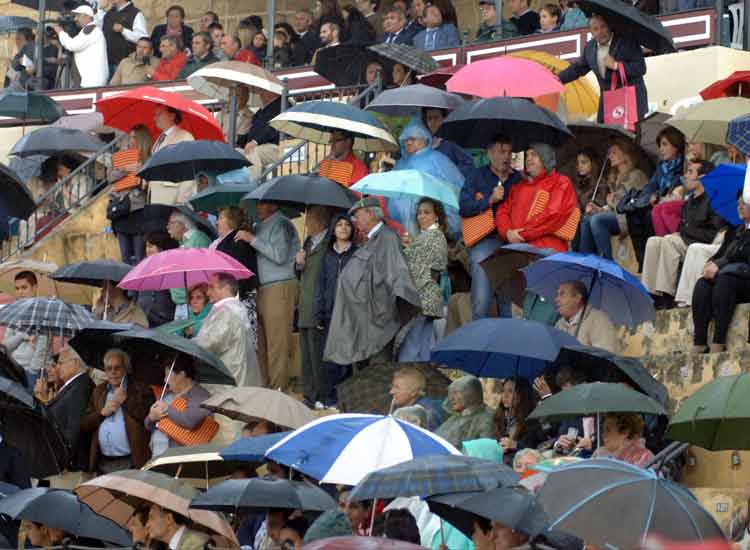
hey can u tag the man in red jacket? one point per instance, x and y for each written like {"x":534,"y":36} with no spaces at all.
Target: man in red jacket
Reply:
{"x":173,"y":59}
{"x":539,"y":209}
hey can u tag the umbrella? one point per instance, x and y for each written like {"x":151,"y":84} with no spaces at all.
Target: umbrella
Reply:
{"x":646,"y":131}
{"x":315,"y":120}
{"x":12,"y":23}
{"x":583,"y":498}
{"x":343,"y":65}
{"x":252,"y":449}
{"x":360,"y":543}
{"x":626,"y":19}
{"x":27,"y":167}
{"x":183,"y":161}
{"x":409,"y":184}
{"x":235,"y":495}
{"x":434,"y":475}
{"x":29,"y":105}
{"x":86,"y":122}
{"x":593,"y":135}
{"x":735,"y":85}
{"x":410,"y":100}
{"x":440,"y":76}
{"x":53,"y":140}
{"x":181,"y":268}
{"x":51,"y":5}
{"x":217,"y":80}
{"x":611,"y":289}
{"x":738,"y":134}
{"x":476,"y":123}
{"x":11,"y":370}
{"x":118,"y":495}
{"x":60,"y":509}
{"x":197,"y":462}
{"x":502,"y":267}
{"x":343,"y":448}
{"x":716,"y":417}
{"x":412,"y":58}
{"x":501,"y":348}
{"x":14,"y":196}
{"x":307,"y":190}
{"x":722,"y":185}
{"x":220,"y":196}
{"x":137,"y":106}
{"x":158,"y":217}
{"x":93,"y":341}
{"x":499,"y":76}
{"x":45,"y":316}
{"x":46,"y":286}
{"x":92,"y":273}
{"x":708,"y":121}
{"x":249,"y":404}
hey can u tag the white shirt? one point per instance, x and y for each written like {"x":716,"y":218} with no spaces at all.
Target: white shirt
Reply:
{"x":175,"y":540}
{"x":374,"y":230}
{"x":602,"y":51}
{"x":90,"y":54}
{"x":69,"y":381}
{"x":131,"y":35}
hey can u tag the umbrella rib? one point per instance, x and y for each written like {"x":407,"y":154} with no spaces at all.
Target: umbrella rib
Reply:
{"x":650,"y":512}
{"x":687,"y":512}
{"x":593,"y":495}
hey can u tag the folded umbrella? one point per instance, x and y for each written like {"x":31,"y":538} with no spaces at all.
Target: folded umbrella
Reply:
{"x":410,"y":100}
{"x":54,"y":140}
{"x":412,"y":58}
{"x":248,"y":404}
{"x":71,"y":293}
{"x":92,"y":273}
{"x":29,"y":106}
{"x":220,"y":196}
{"x":708,"y":121}
{"x":252,"y":449}
{"x":199,"y":462}
{"x":501,"y":76}
{"x":307,"y":190}
{"x":15,"y":197}
{"x":184,"y":161}
{"x":409,"y":184}
{"x":48,"y":316}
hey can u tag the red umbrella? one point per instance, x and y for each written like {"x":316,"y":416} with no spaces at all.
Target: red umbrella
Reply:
{"x":439,"y":77}
{"x":505,"y":76}
{"x":735,"y":85}
{"x":123,"y":111}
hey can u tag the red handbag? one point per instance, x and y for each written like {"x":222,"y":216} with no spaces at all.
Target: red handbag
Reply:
{"x":620,"y":104}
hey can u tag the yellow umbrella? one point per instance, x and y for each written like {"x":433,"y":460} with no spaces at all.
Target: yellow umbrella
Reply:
{"x":581,"y":99}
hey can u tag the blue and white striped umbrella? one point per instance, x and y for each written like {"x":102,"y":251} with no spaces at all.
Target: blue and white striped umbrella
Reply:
{"x":344,"y":448}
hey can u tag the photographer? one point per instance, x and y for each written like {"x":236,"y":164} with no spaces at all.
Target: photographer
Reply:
{"x":133,"y":68}
{"x":89,"y":48}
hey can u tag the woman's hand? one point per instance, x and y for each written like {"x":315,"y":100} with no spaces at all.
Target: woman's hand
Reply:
{"x":541,"y":387}
{"x":654,"y":199}
{"x":244,"y":235}
{"x":507,"y":444}
{"x":158,"y":411}
{"x":405,"y":239}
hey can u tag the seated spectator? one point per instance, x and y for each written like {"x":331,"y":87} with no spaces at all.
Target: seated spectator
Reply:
{"x":433,"y":119}
{"x":401,"y":75}
{"x":622,"y":438}
{"x":526,"y":459}
{"x":261,"y":143}
{"x":360,"y":516}
{"x":512,"y":429}
{"x":487,"y":21}
{"x":698,"y":224}
{"x":76,"y":188}
{"x":115,"y":415}
{"x":173,"y":59}
{"x":134,"y":68}
{"x":523,"y":17}
{"x":517,"y":219}
{"x":44,"y":536}
{"x":259,"y":46}
{"x":307,"y":40}
{"x":233,"y":50}
{"x":590,"y":185}
{"x":357,"y":28}
{"x":172,"y":529}
{"x":408,"y":389}
{"x":591,"y":326}
{"x":370,"y":10}
{"x":282,"y":49}
{"x":206,"y":20}
{"x":470,"y":418}
{"x":696,"y":257}
{"x":666,"y":185}
{"x":704,"y":151}
{"x":292,"y":534}
{"x":394,"y":28}
{"x":436,"y":35}
{"x":199,"y":306}
{"x":217,"y":35}
{"x":174,"y":26}
{"x":115,"y":306}
{"x":571,"y":435}
{"x":183,"y":230}
{"x":342,"y":144}
{"x":724,"y":285}
{"x":47,"y":386}
{"x":397,"y":525}
{"x":157,"y":304}
{"x":414,"y":10}
{"x":549,"y":18}
{"x":572,"y":16}
{"x":330,"y":36}
{"x":201,"y":56}
{"x":413,"y":414}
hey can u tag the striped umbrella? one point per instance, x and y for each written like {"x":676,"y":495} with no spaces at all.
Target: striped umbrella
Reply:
{"x":45,"y":316}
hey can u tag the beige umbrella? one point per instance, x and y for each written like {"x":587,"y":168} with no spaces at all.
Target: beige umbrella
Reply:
{"x":251,"y":403}
{"x":707,"y":121}
{"x":199,"y":462}
{"x":67,"y":292}
{"x":117,"y":496}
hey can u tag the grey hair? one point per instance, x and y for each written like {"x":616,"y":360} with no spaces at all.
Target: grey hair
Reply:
{"x":184,"y":220}
{"x":416,"y":414}
{"x":76,"y":355}
{"x":525,"y":452}
{"x":123,"y":355}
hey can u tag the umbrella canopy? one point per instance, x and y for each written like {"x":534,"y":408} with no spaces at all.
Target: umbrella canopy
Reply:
{"x":476,"y":123}
{"x":184,"y":161}
{"x":46,"y":286}
{"x":738,"y":134}
{"x":440,"y":76}
{"x":360,"y":543}
{"x":86,"y":122}
{"x":45,"y":316}
{"x":234,"y":495}
{"x":499,"y":76}
{"x":217,"y":80}
{"x":708,"y":121}
{"x":307,"y":190}
{"x":137,"y":106}
{"x":52,"y":5}
{"x":12,"y":23}
{"x":611,"y":289}
{"x":118,"y":495}
{"x":409,"y":184}
{"x":583,"y":498}
{"x":315,"y":120}
{"x":182,"y":268}
{"x":595,"y":398}
{"x":93,"y":341}
{"x":198,"y":462}
{"x":502,"y":348}
{"x":502,"y":267}
{"x":341,"y":448}
{"x":158,"y":217}
{"x":92,"y":273}
{"x":626,"y":19}
{"x":53,"y":140}
{"x":722,"y":185}
{"x":343,"y":65}
{"x":14,"y":195}
{"x":220,"y":196}
{"x":412,"y":58}
{"x":61,"y":509}
{"x":434,"y":475}
{"x":29,"y":105}
{"x":248,"y":404}
{"x":252,"y":449}
{"x":735,"y":85}
{"x":410,"y":100}
{"x":716,"y":417}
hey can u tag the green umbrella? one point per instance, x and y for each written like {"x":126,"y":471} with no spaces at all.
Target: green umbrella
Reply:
{"x":28,"y":105}
{"x":717,"y":416}
{"x":219,"y":196}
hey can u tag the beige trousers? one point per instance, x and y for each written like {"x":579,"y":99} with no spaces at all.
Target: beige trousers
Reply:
{"x":275,"y":317}
{"x":170,"y":193}
{"x":661,"y":263}
{"x":692,"y":270}
{"x":261,"y":157}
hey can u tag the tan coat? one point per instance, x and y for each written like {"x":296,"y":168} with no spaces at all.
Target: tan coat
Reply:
{"x":596,"y":330}
{"x":168,"y":192}
{"x":130,"y":71}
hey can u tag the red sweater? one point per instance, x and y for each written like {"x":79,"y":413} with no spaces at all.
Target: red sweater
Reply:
{"x":247,"y":56}
{"x":538,"y":230}
{"x":169,"y":69}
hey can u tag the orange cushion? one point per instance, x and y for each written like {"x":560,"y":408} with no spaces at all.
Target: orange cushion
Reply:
{"x":201,"y":435}
{"x":337,"y":171}
{"x":568,"y":231}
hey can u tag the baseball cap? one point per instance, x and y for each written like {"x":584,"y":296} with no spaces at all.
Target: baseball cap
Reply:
{"x":84,"y":10}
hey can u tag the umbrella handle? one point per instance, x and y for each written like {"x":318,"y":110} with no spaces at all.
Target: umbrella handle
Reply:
{"x":599,"y":179}
{"x":171,"y":368}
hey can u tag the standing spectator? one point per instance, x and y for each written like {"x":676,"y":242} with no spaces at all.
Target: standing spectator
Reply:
{"x":436,"y":35}
{"x":208,"y":19}
{"x":326,"y":11}
{"x":591,"y":326}
{"x":603,"y":54}
{"x":549,"y":18}
{"x":173,"y":59}
{"x":134,"y":68}
{"x":22,"y":64}
{"x":487,"y":188}
{"x":261,"y":143}
{"x":370,"y":11}
{"x":330,"y":37}
{"x":183,"y":230}
{"x":359,"y":29}
{"x":115,"y":306}
{"x":217,"y":34}
{"x":201,"y":55}
{"x":233,"y":50}
{"x":123,"y":26}
{"x":89,"y":48}
{"x":307,"y":42}
{"x":408,"y":389}
{"x":433,"y":119}
{"x":173,"y":27}
{"x":276,"y":242}
{"x":115,"y":415}
{"x":75,"y":188}
{"x":171,"y":530}
{"x":394,"y":28}
{"x":470,"y":418}
{"x":487,"y":21}
{"x":259,"y":46}
{"x":167,"y":192}
{"x":157,"y":304}
{"x":523,"y":17}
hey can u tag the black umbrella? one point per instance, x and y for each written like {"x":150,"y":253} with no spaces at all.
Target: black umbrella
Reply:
{"x":29,"y":105}
{"x":412,"y":58}
{"x":626,"y":19}
{"x":646,"y":131}
{"x":344,"y":65}
{"x":260,"y":494}
{"x":184,"y":161}
{"x":12,"y":23}
{"x":14,"y":196}
{"x":476,"y":123}
{"x":53,"y":140}
{"x":92,"y":273}
{"x":156,"y":216}
{"x":95,"y":339}
{"x":307,"y":190}
{"x":27,"y":167}
{"x":410,"y":100}
{"x":50,"y":5}
{"x":61,"y":509}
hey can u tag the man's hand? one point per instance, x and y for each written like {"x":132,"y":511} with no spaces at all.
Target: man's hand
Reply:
{"x":250,"y":146}
{"x":158,"y":411}
{"x":498,"y":193}
{"x":541,"y":387}
{"x":244,"y":235}
{"x":300,"y":258}
{"x":117,"y":27}
{"x":58,"y":29}
{"x":710,"y":271}
{"x":610,"y":62}
{"x":513,"y":236}
{"x":566,"y":443}
{"x":119,"y":396}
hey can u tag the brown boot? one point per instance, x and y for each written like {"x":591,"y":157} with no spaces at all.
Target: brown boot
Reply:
{"x":698,"y":350}
{"x":717,"y":348}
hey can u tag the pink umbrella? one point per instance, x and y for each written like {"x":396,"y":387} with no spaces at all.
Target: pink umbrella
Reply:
{"x":505,"y":76}
{"x":182,"y":268}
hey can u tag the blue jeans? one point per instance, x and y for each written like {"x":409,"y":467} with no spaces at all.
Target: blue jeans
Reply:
{"x":596,"y":231}
{"x":132,"y":247}
{"x":481,"y":290}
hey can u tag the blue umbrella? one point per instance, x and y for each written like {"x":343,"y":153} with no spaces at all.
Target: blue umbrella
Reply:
{"x":252,"y":449}
{"x":611,"y":289}
{"x":722,"y":185}
{"x":502,"y":348}
{"x":409,"y":184}
{"x":738,"y":134}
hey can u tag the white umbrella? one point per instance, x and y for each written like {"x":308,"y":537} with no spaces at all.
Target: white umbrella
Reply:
{"x":217,"y":80}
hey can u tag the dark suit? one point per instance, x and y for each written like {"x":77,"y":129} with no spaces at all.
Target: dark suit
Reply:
{"x":245,"y":254}
{"x":13,"y":467}
{"x":66,"y":410}
{"x":403,"y":37}
{"x":446,"y":36}
{"x":303,"y":49}
{"x":626,"y":52}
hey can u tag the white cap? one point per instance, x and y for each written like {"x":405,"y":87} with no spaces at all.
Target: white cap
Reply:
{"x":84,"y":10}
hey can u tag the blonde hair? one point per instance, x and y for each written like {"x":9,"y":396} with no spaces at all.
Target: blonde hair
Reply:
{"x":143,"y":142}
{"x":234,"y":215}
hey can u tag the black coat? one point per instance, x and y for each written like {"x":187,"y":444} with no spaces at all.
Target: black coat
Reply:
{"x":360,"y":32}
{"x":528,"y":23}
{"x":66,"y":410}
{"x":734,"y":249}
{"x":328,"y":277}
{"x":304,"y":48}
{"x":626,"y":52}
{"x":260,"y":130}
{"x":157,"y":305}
{"x":13,"y":467}
{"x":160,"y":30}
{"x":245,"y":254}
{"x":698,"y":221}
